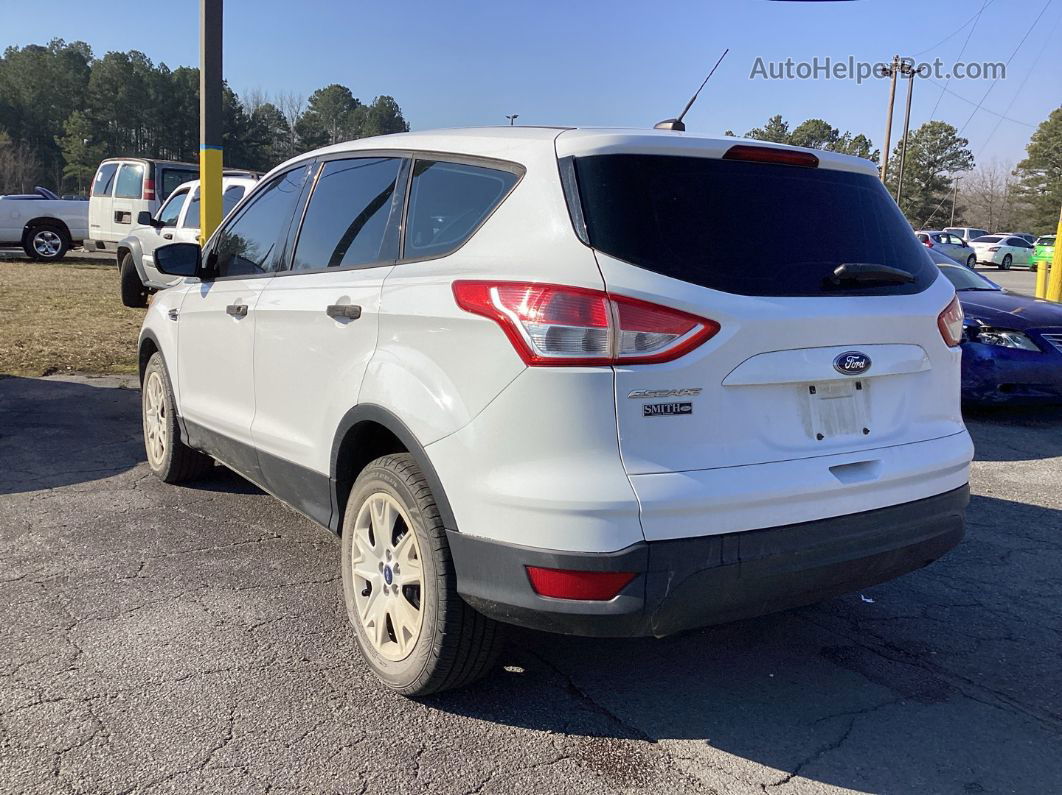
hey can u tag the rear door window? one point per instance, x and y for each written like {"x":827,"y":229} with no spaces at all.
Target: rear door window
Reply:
{"x":130,"y":181}
{"x":101,"y":186}
{"x":701,"y":220}
{"x":171,"y":178}
{"x":351,"y":219}
{"x":447,"y":203}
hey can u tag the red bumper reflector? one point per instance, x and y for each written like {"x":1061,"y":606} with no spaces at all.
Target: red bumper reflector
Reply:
{"x":589,"y":586}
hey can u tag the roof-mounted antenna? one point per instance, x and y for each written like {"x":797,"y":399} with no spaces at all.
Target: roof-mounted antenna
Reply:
{"x":677,"y":124}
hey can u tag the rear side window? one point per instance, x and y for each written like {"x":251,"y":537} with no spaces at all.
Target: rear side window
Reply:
{"x":101,"y":186}
{"x":349,"y":220}
{"x":253,"y":242}
{"x":701,"y":220}
{"x":130,"y":181}
{"x":171,"y":179}
{"x":448,"y":202}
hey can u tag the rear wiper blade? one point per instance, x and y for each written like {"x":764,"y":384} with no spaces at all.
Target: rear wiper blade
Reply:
{"x":866,"y":272}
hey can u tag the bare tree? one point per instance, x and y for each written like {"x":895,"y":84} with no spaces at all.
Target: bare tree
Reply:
{"x":19,"y":166}
{"x":988,"y":199}
{"x":292,"y":106}
{"x":253,"y":99}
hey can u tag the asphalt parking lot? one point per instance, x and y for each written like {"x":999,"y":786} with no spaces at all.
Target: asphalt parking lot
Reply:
{"x":164,"y":639}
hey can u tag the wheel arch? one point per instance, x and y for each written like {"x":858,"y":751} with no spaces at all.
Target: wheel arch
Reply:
{"x":365,"y":433}
{"x":47,"y":220}
{"x":131,"y":246}
{"x":146,"y":348}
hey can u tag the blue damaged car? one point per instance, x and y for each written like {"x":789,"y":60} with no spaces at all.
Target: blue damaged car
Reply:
{"x":1012,"y":344}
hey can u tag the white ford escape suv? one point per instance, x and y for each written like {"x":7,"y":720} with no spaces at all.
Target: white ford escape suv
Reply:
{"x":538,"y":377}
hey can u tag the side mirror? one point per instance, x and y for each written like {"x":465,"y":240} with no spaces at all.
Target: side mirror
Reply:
{"x":143,"y":218}
{"x":179,"y":259}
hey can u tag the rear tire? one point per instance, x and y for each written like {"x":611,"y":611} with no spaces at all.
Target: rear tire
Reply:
{"x":415,"y":632}
{"x":170,"y":459}
{"x":971,"y":262}
{"x":134,"y":294}
{"x":1007,"y":262}
{"x":46,"y":242}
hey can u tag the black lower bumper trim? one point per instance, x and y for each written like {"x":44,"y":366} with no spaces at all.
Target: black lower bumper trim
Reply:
{"x":695,"y":582}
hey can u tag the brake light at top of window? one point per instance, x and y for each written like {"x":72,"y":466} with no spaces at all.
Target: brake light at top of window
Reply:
{"x":950,"y":323}
{"x":556,"y":325}
{"x":929,"y":243}
{"x":149,"y":189}
{"x":768,"y":154}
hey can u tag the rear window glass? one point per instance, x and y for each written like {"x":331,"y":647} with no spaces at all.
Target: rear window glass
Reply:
{"x":1046,"y":241}
{"x":101,"y":186}
{"x":229,"y":199}
{"x":986,"y":239}
{"x":447,"y":202}
{"x":171,"y":179}
{"x":130,"y":181}
{"x":747,"y":228}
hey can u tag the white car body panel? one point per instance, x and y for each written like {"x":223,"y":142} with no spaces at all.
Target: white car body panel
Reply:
{"x":1019,"y":254}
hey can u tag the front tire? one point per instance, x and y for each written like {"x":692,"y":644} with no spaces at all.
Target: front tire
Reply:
{"x":415,"y":632}
{"x":170,"y":459}
{"x":45,"y":243}
{"x":1007,"y":262}
{"x":134,"y":294}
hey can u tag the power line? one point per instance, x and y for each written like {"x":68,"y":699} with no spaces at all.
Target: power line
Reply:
{"x":955,"y":32}
{"x":986,"y":110}
{"x":933,"y":113}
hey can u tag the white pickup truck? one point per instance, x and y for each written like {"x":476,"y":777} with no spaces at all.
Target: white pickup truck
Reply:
{"x":44,"y":225}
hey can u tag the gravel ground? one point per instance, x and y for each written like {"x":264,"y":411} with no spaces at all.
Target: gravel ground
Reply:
{"x":164,"y":639}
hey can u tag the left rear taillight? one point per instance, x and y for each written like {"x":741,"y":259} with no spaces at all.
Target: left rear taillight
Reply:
{"x":550,"y":324}
{"x":149,"y":189}
{"x":950,"y":323}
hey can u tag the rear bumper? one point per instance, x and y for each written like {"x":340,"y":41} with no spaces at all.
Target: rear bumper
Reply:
{"x":694,"y":582}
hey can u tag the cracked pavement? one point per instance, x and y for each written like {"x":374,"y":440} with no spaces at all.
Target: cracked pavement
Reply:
{"x":177,"y":639}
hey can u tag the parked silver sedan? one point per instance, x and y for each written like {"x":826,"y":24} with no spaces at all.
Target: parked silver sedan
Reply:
{"x":948,"y":244}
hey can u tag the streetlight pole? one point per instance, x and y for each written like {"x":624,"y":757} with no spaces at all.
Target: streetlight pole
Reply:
{"x":954,"y":193}
{"x":211,"y":159}
{"x":512,"y":118}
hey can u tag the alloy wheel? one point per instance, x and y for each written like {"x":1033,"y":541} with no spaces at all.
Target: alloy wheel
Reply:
{"x":388,"y":576}
{"x":156,"y":429}
{"x":47,"y":243}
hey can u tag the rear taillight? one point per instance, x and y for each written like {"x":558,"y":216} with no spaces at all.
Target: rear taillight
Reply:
{"x":553,"y":325}
{"x":950,"y":323}
{"x":149,"y":189}
{"x":589,"y":586}
{"x":929,"y":244}
{"x":993,"y":248}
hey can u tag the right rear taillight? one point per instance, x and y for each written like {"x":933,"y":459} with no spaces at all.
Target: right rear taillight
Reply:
{"x":950,"y":323}
{"x":551,"y":324}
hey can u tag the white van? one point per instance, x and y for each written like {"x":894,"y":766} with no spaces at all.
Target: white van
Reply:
{"x":126,"y":186}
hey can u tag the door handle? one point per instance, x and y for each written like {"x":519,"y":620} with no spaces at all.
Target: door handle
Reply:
{"x":237,"y":310}
{"x":347,"y":311}
{"x":168,"y":236}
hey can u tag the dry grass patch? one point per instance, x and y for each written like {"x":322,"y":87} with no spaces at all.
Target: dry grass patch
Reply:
{"x":65,"y":317}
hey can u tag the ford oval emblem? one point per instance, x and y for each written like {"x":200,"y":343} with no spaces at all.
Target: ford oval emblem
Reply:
{"x":852,"y":363}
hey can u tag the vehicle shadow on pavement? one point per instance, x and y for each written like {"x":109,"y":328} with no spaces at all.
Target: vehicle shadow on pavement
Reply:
{"x":910,"y":686}
{"x":57,"y":432}
{"x":1015,"y":433}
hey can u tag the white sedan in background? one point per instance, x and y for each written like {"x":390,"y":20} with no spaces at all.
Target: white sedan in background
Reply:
{"x":1003,"y":251}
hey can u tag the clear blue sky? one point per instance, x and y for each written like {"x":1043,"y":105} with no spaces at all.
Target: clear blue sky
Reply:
{"x":592,"y":62}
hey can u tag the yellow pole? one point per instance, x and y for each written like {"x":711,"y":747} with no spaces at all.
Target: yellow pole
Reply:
{"x":210,"y":112}
{"x":1054,"y":284}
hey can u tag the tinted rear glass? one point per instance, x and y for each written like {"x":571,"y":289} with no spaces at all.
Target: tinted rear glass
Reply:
{"x":986,"y":239}
{"x":130,"y":181}
{"x":104,"y":181}
{"x":171,"y":179}
{"x":747,"y":228}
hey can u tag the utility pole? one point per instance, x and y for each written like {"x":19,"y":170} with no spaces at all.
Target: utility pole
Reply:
{"x":907,"y":70}
{"x":211,"y":159}
{"x":891,"y":71}
{"x":954,"y":193}
{"x":512,"y":118}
